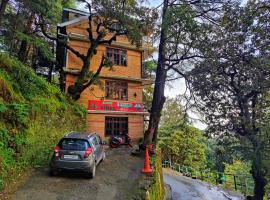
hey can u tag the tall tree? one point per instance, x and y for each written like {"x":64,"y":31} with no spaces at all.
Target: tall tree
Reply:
{"x":233,"y":80}
{"x":3,"y":6}
{"x":161,"y":75}
{"x":23,"y":38}
{"x":184,"y":25}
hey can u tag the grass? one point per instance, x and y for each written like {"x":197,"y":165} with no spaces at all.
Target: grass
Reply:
{"x":156,"y":190}
{"x":33,"y":116}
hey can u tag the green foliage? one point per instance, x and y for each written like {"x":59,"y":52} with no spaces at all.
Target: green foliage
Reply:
{"x":180,"y":142}
{"x":19,"y":114}
{"x":232,"y":82}
{"x":33,"y":116}
{"x":267,"y":195}
{"x":148,"y":96}
{"x":224,"y":151}
{"x":149,"y":68}
{"x":6,"y":89}
{"x":243,"y":178}
{"x":157,"y":191}
{"x":42,"y":44}
{"x":172,"y":113}
{"x":183,"y":145}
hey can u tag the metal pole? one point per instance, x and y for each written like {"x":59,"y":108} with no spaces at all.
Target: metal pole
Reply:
{"x":246,"y":186}
{"x":235,"y":184}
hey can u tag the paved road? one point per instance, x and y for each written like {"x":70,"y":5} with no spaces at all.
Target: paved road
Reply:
{"x":116,"y":179}
{"x":185,"y":188}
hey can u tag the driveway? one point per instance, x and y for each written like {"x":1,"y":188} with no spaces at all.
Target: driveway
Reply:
{"x":116,"y":179}
{"x":185,"y":188}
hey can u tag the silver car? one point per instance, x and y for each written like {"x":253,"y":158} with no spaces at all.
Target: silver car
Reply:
{"x":79,"y":152}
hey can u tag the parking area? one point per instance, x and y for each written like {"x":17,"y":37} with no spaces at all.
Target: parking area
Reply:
{"x":116,"y":178}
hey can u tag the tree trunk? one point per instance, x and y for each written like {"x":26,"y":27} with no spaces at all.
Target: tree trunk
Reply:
{"x":62,"y":81}
{"x":23,"y":54}
{"x":161,"y":75}
{"x":76,"y":89}
{"x":51,"y":67}
{"x":3,"y":6}
{"x":80,"y":85}
{"x":49,"y":78}
{"x":259,"y":175}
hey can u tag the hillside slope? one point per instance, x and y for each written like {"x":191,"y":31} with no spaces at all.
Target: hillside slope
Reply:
{"x":33,"y":116}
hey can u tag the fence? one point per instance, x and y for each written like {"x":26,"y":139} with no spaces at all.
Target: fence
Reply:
{"x":237,"y":182}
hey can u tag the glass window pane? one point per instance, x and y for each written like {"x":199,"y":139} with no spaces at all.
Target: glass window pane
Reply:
{"x":116,"y":90}
{"x":74,"y":144}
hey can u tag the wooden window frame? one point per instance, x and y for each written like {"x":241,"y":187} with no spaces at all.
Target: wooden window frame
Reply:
{"x":122,"y":126}
{"x":114,"y":84}
{"x":112,"y":53}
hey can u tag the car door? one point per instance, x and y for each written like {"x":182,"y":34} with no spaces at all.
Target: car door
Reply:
{"x":96,"y":148}
{"x":99,"y":147}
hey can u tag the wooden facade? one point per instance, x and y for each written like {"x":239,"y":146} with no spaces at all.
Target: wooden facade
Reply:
{"x":123,"y":84}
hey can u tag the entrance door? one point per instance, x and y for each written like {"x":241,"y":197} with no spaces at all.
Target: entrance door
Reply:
{"x":116,"y":125}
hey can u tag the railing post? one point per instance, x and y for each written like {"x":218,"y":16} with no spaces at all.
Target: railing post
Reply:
{"x":235,"y":184}
{"x":246,"y":186}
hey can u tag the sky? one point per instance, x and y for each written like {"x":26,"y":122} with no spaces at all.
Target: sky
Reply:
{"x":178,"y":87}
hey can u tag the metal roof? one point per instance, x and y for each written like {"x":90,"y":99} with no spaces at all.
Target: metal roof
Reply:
{"x":81,"y":12}
{"x":73,"y":21}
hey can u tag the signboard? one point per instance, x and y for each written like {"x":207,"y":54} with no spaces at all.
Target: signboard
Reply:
{"x":115,"y":106}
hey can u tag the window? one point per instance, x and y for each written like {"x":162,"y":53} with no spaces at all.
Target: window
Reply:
{"x":116,"y":125}
{"x":95,"y":141}
{"x":117,"y":56}
{"x":114,"y":27}
{"x":74,"y":144}
{"x":116,"y":90}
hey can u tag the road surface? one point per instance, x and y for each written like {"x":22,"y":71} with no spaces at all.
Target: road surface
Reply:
{"x":116,"y":179}
{"x":185,"y":188}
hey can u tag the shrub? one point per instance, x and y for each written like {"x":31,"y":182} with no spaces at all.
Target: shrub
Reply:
{"x":33,"y":116}
{"x":157,"y":191}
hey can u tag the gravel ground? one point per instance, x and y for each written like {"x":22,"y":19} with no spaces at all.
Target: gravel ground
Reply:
{"x":116,"y":179}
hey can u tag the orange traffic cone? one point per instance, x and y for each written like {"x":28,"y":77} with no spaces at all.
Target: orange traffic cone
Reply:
{"x":146,"y":168}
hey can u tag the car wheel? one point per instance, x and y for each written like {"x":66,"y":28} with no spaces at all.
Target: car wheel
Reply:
{"x":53,"y":172}
{"x":113,"y":145}
{"x":93,"y":172}
{"x":103,"y":156}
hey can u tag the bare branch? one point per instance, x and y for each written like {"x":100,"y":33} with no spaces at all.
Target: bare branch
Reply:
{"x":44,"y":32}
{"x":77,"y":53}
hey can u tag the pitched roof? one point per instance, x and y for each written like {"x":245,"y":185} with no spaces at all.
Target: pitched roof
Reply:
{"x":73,"y":21}
{"x":76,"y":11}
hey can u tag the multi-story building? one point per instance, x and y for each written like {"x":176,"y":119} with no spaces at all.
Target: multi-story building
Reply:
{"x":115,"y":105}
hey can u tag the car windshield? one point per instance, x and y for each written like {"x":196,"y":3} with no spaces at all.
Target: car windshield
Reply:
{"x":74,"y":144}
